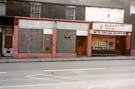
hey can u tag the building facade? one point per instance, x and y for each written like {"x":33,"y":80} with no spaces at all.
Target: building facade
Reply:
{"x":116,"y":12}
{"x":65,"y":38}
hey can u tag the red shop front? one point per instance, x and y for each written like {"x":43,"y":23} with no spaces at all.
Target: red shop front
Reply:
{"x":110,"y":39}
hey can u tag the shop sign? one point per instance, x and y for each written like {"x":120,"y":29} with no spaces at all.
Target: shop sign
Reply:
{"x":112,"y":27}
{"x":107,"y":33}
{"x":47,"y":31}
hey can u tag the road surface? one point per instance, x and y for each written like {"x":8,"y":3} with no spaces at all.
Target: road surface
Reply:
{"x":115,"y":74}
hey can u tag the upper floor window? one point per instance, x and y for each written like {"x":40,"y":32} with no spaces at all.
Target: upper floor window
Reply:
{"x":132,"y":7}
{"x":70,"y":12}
{"x":35,"y":10}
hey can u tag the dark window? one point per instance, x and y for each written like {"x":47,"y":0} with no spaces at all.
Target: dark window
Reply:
{"x":70,"y":12}
{"x":35,"y":10}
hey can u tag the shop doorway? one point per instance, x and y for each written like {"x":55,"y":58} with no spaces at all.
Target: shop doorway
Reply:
{"x":6,"y":37}
{"x":120,"y":45}
{"x":81,"y":45}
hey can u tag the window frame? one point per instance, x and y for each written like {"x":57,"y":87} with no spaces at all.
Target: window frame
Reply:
{"x":70,"y":12}
{"x":132,"y":7}
{"x":35,"y":10}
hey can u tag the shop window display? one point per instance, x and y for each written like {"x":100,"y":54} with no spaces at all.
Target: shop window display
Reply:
{"x":103,"y":43}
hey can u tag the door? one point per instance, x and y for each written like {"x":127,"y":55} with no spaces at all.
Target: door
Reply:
{"x":120,"y":45}
{"x":7,"y":41}
{"x":47,"y":43}
{"x":81,"y":45}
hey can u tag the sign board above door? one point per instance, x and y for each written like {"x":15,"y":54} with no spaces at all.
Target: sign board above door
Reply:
{"x":112,"y":27}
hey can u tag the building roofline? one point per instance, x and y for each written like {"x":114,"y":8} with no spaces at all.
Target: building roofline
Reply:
{"x":64,"y":20}
{"x":85,"y":3}
{"x":50,"y":19}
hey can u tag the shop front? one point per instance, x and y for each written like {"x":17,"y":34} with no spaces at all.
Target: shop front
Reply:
{"x":6,"y":36}
{"x":43,"y":38}
{"x":109,"y":39}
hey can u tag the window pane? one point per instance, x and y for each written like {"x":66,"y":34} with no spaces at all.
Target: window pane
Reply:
{"x":35,"y":10}
{"x":70,"y":13}
{"x":132,"y":8}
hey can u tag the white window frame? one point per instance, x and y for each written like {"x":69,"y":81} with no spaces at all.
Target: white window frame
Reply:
{"x":132,"y":7}
{"x":35,"y":10}
{"x":70,"y":14}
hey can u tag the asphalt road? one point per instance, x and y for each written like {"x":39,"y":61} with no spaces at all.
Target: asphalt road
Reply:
{"x":115,"y":74}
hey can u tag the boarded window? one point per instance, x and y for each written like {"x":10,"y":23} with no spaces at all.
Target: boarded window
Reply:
{"x":66,"y":41}
{"x":30,"y":41}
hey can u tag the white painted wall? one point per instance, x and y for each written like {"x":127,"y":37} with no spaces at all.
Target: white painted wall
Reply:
{"x":81,"y":28}
{"x":82,"y":33}
{"x":104,"y":14}
{"x":132,"y":7}
{"x":72,"y":26}
{"x":36,"y":24}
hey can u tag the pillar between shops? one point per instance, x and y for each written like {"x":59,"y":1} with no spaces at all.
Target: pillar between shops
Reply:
{"x":89,"y":41}
{"x":15,"y":39}
{"x":54,"y":38}
{"x":89,"y":46}
{"x":128,"y":43}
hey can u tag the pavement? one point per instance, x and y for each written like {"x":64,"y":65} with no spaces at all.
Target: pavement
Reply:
{"x":13,"y":60}
{"x":101,"y":74}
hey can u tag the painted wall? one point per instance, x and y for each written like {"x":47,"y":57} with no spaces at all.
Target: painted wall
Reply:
{"x":104,"y":14}
{"x":35,"y":24}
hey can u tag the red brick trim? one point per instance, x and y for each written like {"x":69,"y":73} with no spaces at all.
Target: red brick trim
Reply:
{"x":33,"y":55}
{"x":54,"y":39}
{"x":67,"y":55}
{"x":49,"y":19}
{"x":128,"y":41}
{"x":15,"y":39}
{"x":89,"y":46}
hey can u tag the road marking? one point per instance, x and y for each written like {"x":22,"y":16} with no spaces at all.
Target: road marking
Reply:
{"x":103,"y":68}
{"x":35,"y":76}
{"x":3,"y":72}
{"x":41,"y":85}
{"x":84,"y":83}
{"x":75,"y":69}
{"x":112,"y":84}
